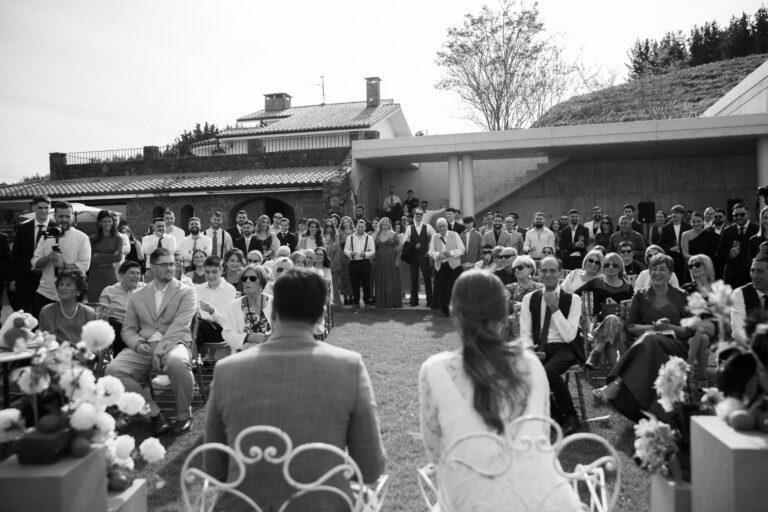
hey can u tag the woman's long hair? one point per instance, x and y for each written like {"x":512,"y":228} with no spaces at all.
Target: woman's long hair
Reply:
{"x":99,"y":232}
{"x":319,"y":241}
{"x":478,"y":304}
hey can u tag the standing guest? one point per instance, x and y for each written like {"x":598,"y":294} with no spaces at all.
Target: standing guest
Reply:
{"x":761,"y":236}
{"x":670,"y":240}
{"x":734,"y":247}
{"x":360,"y":215}
{"x":301,"y":229}
{"x":234,"y":261}
{"x":196,"y":240}
{"x":106,"y":250}
{"x":445,"y":249}
{"x":698,"y":240}
{"x":687,"y":216}
{"x":360,"y":249}
{"x":214,"y":298}
{"x":221,"y":241}
{"x":332,"y":401}
{"x":274,"y":228}
{"x":170,"y":227}
{"x":524,"y":268}
{"x":69,"y":250}
{"x":156,"y":331}
{"x":66,"y":317}
{"x":516,"y":238}
{"x":115,"y":299}
{"x":643,"y":279}
{"x":487,"y":262}
{"x":236,"y":231}
{"x":5,"y":261}
{"x":709,"y":216}
{"x":22,"y":278}
{"x":267,"y":242}
{"x":285,"y":237}
{"x":393,"y":206}
{"x":298,"y":259}
{"x":248,"y":242}
{"x":516,"y":226}
{"x":247,"y":318}
{"x":405,"y":268}
{"x":549,"y":321}
{"x":573,"y":241}
{"x":453,"y":221}
{"x":591,"y":267}
{"x":197,"y":274}
{"x":702,"y":276}
{"x":505,"y":271}
{"x":656,"y":230}
{"x":538,"y":237}
{"x":157,"y":240}
{"x":594,"y":225}
{"x":632,"y":267}
{"x":314,"y":236}
{"x":136,"y":253}
{"x":629,"y":211}
{"x":498,"y":236}
{"x":472,"y":244}
{"x":718,"y":222}
{"x":604,"y":232}
{"x":387,"y":267}
{"x":487,"y":223}
{"x":333,"y":250}
{"x":627,"y":234}
{"x":410,"y":204}
{"x":346,"y":228}
{"x":556,"y":228}
{"x":418,"y":236}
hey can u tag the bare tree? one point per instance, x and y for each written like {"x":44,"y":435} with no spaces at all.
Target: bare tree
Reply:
{"x":504,"y":67}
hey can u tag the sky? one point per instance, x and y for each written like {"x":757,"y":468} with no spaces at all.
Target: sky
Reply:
{"x":81,"y":75}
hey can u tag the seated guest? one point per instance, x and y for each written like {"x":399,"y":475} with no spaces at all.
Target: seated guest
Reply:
{"x":214,"y":298}
{"x":750,"y":298}
{"x":115,"y":299}
{"x":524,"y":268}
{"x":627,"y":234}
{"x":644,"y":278}
{"x":281,"y":266}
{"x":486,"y":263}
{"x":234,"y":261}
{"x":156,"y":332}
{"x":549,"y":321}
{"x":702,"y":276}
{"x":591,"y":267}
{"x":504,"y":271}
{"x":178,"y":272}
{"x":246,"y":321}
{"x":609,"y":288}
{"x":632,"y":267}
{"x":483,"y":387}
{"x":654,"y":316}
{"x":66,"y":317}
{"x":197,"y":274}
{"x":332,"y":400}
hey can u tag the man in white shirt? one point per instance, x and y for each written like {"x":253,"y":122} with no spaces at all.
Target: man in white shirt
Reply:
{"x":538,"y":237}
{"x":157,"y":240}
{"x":214,"y":297}
{"x":171,"y":229}
{"x":360,"y":249}
{"x":275,"y":227}
{"x":549,"y":323}
{"x":221,"y":241}
{"x":419,"y":235}
{"x":194,"y":241}
{"x":71,"y":249}
{"x":594,"y":224}
{"x":445,"y":249}
{"x":392,"y":206}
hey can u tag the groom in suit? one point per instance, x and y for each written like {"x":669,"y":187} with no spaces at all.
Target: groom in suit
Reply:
{"x":22,"y":279}
{"x":574,"y":239}
{"x":156,"y":333}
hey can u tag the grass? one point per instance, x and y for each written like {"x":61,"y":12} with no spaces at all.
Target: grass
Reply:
{"x":394,"y":343}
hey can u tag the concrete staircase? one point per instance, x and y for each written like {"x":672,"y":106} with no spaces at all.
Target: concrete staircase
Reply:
{"x":519,"y":181}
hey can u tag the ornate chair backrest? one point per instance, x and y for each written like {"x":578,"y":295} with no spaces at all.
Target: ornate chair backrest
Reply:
{"x":339,"y":481}
{"x":521,"y":471}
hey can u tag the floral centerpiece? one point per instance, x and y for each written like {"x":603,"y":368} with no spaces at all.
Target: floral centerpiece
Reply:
{"x":66,"y":409}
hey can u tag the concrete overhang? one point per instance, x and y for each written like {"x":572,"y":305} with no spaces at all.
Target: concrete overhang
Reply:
{"x":728,"y":135}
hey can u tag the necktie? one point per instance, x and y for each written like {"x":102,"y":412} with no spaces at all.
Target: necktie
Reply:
{"x":741,"y":231}
{"x":40,"y":233}
{"x":765,"y":302}
{"x":215,"y":242}
{"x":545,"y":328}
{"x":194,"y":244}
{"x":392,"y":201}
{"x":160,"y":242}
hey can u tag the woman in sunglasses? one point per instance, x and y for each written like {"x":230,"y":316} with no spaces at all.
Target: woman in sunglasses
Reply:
{"x":644,"y":278}
{"x":487,"y":262}
{"x":702,"y":273}
{"x":197,"y":274}
{"x":247,"y":318}
{"x":523,"y":267}
{"x":699,"y":240}
{"x":590,"y":269}
{"x":605,"y":231}
{"x":607,"y":289}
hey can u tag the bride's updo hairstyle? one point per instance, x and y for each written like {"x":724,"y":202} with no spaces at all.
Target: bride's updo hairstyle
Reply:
{"x":479,"y":308}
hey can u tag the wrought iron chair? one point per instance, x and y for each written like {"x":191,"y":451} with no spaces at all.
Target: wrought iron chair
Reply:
{"x":461,"y":469}
{"x":200,"y":490}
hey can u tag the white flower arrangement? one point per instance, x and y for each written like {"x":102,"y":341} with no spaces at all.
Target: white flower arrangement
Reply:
{"x":98,"y":335}
{"x":655,"y":443}
{"x":671,"y":382}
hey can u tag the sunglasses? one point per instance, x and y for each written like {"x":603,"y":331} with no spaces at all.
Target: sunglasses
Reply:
{"x":694,"y":265}
{"x":739,"y":214}
{"x":487,"y":252}
{"x":628,"y":251}
{"x":252,"y":279}
{"x":719,"y":217}
{"x":520,"y":268}
{"x":593,"y":261}
{"x":506,"y":256}
{"x":611,"y":265}
{"x":165,"y":265}
{"x":254,"y":261}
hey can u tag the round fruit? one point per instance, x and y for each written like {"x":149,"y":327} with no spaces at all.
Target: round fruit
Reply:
{"x":49,"y":423}
{"x":741,"y":420}
{"x":119,"y":481}
{"x":80,"y":447}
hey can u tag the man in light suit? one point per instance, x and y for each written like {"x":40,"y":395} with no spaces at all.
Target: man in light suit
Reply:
{"x":332,"y":401}
{"x":473,"y":244}
{"x":498,"y":236}
{"x":157,"y":335}
{"x":445,"y":249}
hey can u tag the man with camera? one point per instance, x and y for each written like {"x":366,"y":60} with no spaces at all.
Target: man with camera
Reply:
{"x":62,"y":247}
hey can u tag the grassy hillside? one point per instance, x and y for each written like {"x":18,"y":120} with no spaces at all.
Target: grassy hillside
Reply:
{"x":684,"y":93}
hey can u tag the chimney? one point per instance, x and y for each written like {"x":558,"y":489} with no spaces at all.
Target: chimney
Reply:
{"x":372,"y":91}
{"x":277,"y":101}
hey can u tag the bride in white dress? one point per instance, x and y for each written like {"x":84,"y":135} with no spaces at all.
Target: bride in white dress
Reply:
{"x":483,"y":388}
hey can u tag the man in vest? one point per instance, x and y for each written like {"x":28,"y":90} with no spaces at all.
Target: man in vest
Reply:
{"x":445,"y":249}
{"x":418,"y":235}
{"x":360,"y":249}
{"x":750,"y":298}
{"x":549,"y":323}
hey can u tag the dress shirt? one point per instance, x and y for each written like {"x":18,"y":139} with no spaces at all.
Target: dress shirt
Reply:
{"x":223,"y":241}
{"x":177,"y":233}
{"x":450,"y":241}
{"x":149,"y":244}
{"x":357,"y":243}
{"x":561,"y":329}
{"x":187,"y":246}
{"x":116,"y":297}
{"x":536,"y":240}
{"x":220,"y":298}
{"x":430,"y":231}
{"x":37,"y":230}
{"x":159,"y":296}
{"x":635,"y":238}
{"x":75,"y":250}
{"x":390,"y":201}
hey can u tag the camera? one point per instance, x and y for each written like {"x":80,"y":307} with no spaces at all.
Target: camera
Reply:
{"x":54,"y":232}
{"x":762,"y":192}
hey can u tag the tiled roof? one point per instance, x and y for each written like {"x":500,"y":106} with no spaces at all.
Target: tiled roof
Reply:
{"x":332,"y":116}
{"x":164,"y":183}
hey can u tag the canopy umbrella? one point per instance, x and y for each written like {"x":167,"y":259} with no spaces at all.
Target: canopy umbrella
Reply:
{"x":82,"y":212}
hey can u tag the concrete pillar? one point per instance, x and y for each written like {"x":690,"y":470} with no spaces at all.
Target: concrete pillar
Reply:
{"x":454,"y":183}
{"x":467,"y":185}
{"x":762,"y":162}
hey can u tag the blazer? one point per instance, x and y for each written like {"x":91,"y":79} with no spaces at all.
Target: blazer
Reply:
{"x":457,"y":227}
{"x":19,"y":267}
{"x":452,"y":243}
{"x":568,"y":246}
{"x":5,"y":258}
{"x":332,"y":402}
{"x":254,"y":244}
{"x":288,"y":238}
{"x":472,"y":248}
{"x":506,"y":239}
{"x":736,"y":270}
{"x":668,"y":239}
{"x":172,"y":320}
{"x":234,"y":233}
{"x":654,"y":234}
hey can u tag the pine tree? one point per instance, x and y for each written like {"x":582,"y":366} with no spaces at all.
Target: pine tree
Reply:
{"x":696,"y":47}
{"x":737,"y":38}
{"x":760,"y":31}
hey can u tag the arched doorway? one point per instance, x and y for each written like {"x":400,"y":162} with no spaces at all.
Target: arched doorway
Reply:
{"x":264,"y":206}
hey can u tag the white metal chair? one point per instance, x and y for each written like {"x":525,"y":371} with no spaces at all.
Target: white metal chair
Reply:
{"x":200,"y":491}
{"x":527,"y":436}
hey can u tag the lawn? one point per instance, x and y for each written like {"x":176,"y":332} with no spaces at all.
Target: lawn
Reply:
{"x":394,"y":344}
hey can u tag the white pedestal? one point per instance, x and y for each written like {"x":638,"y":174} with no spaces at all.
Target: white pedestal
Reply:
{"x":133,"y":499}
{"x":728,"y":468}
{"x":668,"y":496}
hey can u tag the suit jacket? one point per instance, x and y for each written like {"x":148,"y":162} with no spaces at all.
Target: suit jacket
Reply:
{"x":505,"y":240}
{"x":5,"y":258}
{"x":668,"y":240}
{"x":234,"y":233}
{"x":473,"y":249}
{"x":571,"y":259}
{"x":736,"y":270}
{"x":289,"y":239}
{"x":452,"y":243}
{"x":332,"y":402}
{"x":20,"y":268}
{"x":254,"y":244}
{"x":654,"y":235}
{"x":457,"y":227}
{"x":172,"y":320}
